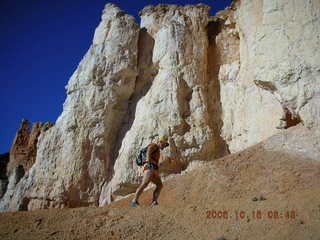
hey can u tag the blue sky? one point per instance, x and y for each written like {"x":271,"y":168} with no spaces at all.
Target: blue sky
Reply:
{"x":42,"y":42}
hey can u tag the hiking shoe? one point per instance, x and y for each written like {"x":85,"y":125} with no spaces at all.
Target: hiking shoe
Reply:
{"x":134,"y":203}
{"x":154,"y":203}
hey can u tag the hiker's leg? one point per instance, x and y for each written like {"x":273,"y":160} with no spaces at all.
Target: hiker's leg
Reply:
{"x":145,"y":181}
{"x":157,"y":181}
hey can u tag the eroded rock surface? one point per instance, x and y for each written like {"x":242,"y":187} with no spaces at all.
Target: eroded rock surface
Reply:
{"x":278,"y":53}
{"x":4,"y":159}
{"x":24,"y":147}
{"x":181,"y":101}
{"x":75,"y":157}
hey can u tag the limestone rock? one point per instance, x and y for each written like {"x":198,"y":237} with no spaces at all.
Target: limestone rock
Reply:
{"x":292,"y":66}
{"x":24,"y":147}
{"x":283,"y":53}
{"x":299,"y":141}
{"x":75,"y":157}
{"x":21,"y":158}
{"x":249,"y":114}
{"x":4,"y":159}
{"x":177,"y":103}
{"x":275,"y":75}
{"x":15,"y":197}
{"x":19,"y":146}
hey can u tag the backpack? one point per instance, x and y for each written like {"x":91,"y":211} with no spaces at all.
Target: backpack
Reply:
{"x":142,"y":156}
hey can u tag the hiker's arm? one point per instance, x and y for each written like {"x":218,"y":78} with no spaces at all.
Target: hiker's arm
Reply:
{"x":150,"y":150}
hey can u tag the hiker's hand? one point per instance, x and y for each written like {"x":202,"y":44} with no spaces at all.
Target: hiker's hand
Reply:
{"x":149,"y":165}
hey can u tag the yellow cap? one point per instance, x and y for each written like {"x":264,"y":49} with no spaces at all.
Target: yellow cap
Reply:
{"x":163,"y":139}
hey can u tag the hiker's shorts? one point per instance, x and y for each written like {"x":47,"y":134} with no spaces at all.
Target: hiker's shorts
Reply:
{"x":155,"y":172}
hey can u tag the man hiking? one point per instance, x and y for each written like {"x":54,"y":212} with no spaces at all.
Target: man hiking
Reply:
{"x":151,"y":171}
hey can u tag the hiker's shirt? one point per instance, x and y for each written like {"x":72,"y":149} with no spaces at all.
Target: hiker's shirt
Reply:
{"x":153,"y":153}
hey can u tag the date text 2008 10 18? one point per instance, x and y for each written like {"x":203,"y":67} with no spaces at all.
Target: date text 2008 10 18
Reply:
{"x":257,"y":214}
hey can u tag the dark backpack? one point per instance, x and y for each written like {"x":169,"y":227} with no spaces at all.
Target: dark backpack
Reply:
{"x":142,"y":156}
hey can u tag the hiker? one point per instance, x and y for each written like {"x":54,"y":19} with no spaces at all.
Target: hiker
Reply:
{"x":151,"y":171}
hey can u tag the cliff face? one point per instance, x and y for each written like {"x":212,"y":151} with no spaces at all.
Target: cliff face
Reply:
{"x":4,"y":159}
{"x":180,"y":98}
{"x":75,"y":157}
{"x":17,"y":163}
{"x":277,"y":76}
{"x":24,"y":147}
{"x":214,"y":85}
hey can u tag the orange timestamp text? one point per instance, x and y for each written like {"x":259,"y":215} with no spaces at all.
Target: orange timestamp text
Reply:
{"x":247,"y":215}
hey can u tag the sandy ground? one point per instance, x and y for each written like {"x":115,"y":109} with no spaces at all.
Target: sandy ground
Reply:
{"x":254,"y":194}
